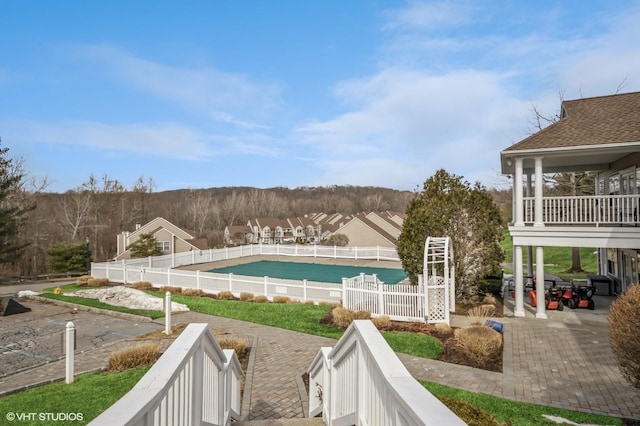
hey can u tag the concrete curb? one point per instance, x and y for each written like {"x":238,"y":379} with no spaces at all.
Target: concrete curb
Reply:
{"x":248,"y":381}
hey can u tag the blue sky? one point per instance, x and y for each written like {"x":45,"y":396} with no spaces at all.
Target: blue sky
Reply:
{"x":296,"y":93}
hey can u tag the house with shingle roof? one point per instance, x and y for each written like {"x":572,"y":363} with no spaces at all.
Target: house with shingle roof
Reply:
{"x":170,"y":238}
{"x":599,"y":135}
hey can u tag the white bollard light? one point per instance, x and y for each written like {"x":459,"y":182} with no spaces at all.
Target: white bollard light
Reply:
{"x":167,"y":313}
{"x":69,"y":349}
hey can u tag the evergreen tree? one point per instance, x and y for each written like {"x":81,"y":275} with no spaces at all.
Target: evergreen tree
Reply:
{"x":146,"y":246}
{"x":448,"y":206}
{"x":12,"y":214}
{"x":69,"y":257}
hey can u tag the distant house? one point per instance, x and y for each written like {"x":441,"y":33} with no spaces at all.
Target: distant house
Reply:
{"x":171,"y":239}
{"x":599,"y":135}
{"x":372,"y":229}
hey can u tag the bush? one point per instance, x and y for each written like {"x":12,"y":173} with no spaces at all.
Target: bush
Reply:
{"x":479,"y":314}
{"x":83,"y":280}
{"x":97,"y":282}
{"x":171,"y":289}
{"x":624,"y":334}
{"x":237,"y":344}
{"x":479,"y":341}
{"x":142,"y":285}
{"x":137,"y":356}
{"x":246,"y":296}
{"x":260,"y":299}
{"x":342,"y":317}
{"x":225,"y":295}
{"x":194,"y":292}
{"x":309,"y":302}
{"x":381,"y":322}
{"x":281,"y":299}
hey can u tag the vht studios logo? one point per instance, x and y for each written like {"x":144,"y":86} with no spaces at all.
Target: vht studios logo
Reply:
{"x":44,"y":417}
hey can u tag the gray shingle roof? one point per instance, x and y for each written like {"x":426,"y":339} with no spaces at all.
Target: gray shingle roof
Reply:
{"x":613,"y":119}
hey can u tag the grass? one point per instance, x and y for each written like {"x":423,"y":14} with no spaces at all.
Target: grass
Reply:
{"x":413,"y":343}
{"x":556,"y":259}
{"x":517,"y":413}
{"x":89,"y":395}
{"x":297,"y":317}
{"x":94,"y":303}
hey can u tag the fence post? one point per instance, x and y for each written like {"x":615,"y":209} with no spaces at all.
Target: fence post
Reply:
{"x":344,"y":293}
{"x":142,"y":273}
{"x":70,"y":342}
{"x":304,"y":290}
{"x":266,"y":286}
{"x":167,"y":313}
{"x":380,"y":299}
{"x":198,"y":279}
{"x":124,"y":272}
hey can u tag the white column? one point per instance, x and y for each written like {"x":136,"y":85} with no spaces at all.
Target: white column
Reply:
{"x":538,"y":220}
{"x":517,"y":190}
{"x":519,"y":281}
{"x":540,"y":310}
{"x":529,"y":248}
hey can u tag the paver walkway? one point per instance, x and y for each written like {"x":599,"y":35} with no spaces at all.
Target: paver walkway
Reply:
{"x":564,"y":362}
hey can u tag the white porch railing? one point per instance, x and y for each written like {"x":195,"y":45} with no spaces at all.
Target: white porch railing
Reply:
{"x":194,"y":382}
{"x":361,"y":381}
{"x":585,"y":210}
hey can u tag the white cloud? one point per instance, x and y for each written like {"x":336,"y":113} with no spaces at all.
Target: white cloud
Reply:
{"x":430,"y":15}
{"x":214,"y":92}
{"x":161,"y":139}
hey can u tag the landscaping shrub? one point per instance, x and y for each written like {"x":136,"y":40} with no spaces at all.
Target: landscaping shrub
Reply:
{"x":342,"y":317}
{"x":381,"y":322}
{"x":142,"y":285}
{"x":309,"y":302}
{"x":225,"y":295}
{"x":479,"y":314}
{"x":133,"y":357}
{"x":97,"y":282}
{"x":83,"y":280}
{"x":171,"y":289}
{"x":479,"y":341}
{"x":281,"y":299}
{"x":236,"y":343}
{"x":194,"y":292}
{"x":58,"y":290}
{"x":246,"y":296}
{"x":624,"y":334}
{"x":260,"y":299}
{"x":443,"y":327}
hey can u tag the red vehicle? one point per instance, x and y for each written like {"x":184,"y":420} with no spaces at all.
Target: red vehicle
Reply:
{"x":553,"y":298}
{"x":580,"y":297}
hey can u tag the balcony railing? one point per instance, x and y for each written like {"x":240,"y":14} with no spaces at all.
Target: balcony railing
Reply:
{"x":585,"y":210}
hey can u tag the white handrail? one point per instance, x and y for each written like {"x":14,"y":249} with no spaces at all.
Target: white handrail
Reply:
{"x":194,"y":382}
{"x":362,"y":381}
{"x":588,"y":210}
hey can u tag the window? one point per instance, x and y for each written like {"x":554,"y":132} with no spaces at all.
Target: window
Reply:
{"x":164,"y":246}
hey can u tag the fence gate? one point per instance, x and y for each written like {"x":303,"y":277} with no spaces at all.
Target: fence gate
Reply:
{"x":439,"y":279}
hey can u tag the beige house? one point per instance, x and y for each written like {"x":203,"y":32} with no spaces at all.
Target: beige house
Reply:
{"x":372,"y":229}
{"x":171,"y":239}
{"x":599,"y":135}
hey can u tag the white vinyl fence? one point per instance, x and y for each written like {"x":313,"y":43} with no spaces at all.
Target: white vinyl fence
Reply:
{"x":193,"y":382}
{"x":361,"y":381}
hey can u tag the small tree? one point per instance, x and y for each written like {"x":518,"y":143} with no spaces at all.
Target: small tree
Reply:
{"x":146,"y":246}
{"x":340,"y":240}
{"x":12,"y":213}
{"x":69,"y":257}
{"x":448,"y":206}
{"x":624,"y":334}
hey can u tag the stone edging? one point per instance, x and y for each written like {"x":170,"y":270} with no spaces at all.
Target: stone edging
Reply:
{"x":123,"y":315}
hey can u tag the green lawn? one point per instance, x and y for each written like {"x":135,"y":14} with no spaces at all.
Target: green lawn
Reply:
{"x":556,"y":259}
{"x":89,"y":395}
{"x":82,"y":395}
